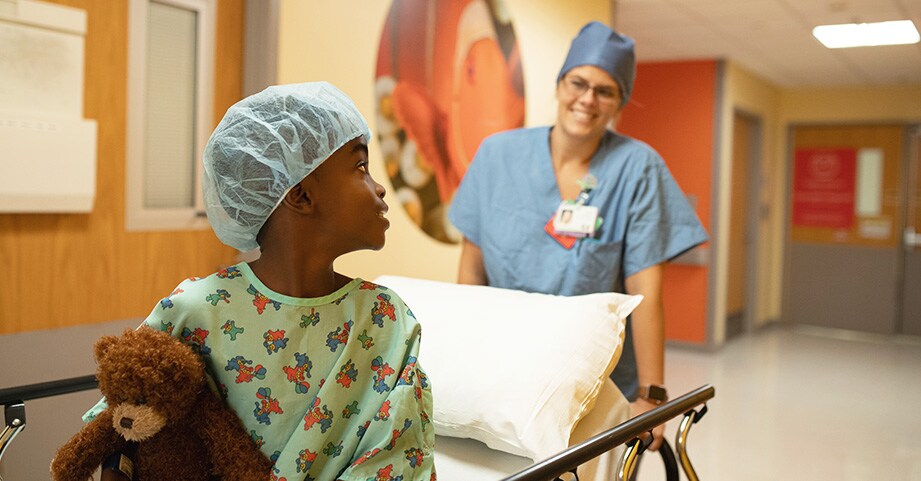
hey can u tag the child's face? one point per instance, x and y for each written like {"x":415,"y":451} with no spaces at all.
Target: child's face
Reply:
{"x":351,"y":203}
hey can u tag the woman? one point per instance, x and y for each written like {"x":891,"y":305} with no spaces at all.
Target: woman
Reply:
{"x":520,"y":179}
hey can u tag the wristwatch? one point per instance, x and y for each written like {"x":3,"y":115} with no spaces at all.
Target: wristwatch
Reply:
{"x":653,"y":393}
{"x":120,"y":463}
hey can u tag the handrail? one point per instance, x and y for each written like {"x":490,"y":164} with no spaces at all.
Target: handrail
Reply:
{"x":47,"y":389}
{"x":567,"y":460}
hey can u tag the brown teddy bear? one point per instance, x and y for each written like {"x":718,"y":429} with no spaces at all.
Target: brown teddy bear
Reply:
{"x":158,"y":397}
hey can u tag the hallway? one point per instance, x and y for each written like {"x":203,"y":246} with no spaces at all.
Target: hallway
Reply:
{"x":803,"y":404}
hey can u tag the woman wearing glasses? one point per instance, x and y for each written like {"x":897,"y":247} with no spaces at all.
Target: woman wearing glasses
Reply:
{"x":637,"y":217}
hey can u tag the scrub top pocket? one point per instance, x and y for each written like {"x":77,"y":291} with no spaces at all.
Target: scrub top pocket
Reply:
{"x":598,"y":263}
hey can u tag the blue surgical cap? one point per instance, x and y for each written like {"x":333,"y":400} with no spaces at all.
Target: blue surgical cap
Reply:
{"x":264,"y":145}
{"x":604,"y":48}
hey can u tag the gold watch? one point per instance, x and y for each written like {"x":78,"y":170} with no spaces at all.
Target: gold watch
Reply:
{"x":653,"y":393}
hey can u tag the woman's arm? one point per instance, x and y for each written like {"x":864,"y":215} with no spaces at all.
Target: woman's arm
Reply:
{"x":471,"y":269}
{"x":648,"y":325}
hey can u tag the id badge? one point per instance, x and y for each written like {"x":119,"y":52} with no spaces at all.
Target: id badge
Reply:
{"x":575,"y":220}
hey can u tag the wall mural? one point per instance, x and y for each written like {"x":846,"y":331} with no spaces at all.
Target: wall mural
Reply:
{"x":448,"y":75}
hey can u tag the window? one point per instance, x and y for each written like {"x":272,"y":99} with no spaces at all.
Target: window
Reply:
{"x":170,"y":92}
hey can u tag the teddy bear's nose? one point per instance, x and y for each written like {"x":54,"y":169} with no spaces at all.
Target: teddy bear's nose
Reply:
{"x":126,"y":423}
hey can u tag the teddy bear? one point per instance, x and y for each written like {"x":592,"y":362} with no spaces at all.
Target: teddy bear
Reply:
{"x":158,"y":398}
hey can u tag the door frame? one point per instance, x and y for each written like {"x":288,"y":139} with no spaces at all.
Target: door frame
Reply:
{"x":753,"y":221}
{"x":911,"y":149}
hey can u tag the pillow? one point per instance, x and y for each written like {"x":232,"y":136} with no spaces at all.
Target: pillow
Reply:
{"x":512,"y":369}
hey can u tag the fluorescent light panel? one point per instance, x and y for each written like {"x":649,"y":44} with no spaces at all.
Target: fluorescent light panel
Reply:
{"x":897,"y":32}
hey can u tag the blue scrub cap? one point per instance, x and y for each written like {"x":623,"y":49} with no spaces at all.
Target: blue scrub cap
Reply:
{"x":604,"y":48}
{"x":264,"y":145}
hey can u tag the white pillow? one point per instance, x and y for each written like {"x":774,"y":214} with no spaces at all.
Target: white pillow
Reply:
{"x":512,"y":369}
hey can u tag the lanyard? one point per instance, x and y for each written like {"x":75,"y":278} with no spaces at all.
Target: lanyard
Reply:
{"x":586,"y":185}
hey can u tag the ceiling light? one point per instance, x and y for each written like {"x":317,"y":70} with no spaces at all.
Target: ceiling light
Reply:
{"x":896,"y":32}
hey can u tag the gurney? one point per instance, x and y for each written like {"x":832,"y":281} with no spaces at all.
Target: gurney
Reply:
{"x":458,"y":459}
{"x":551,"y":394}
{"x":468,"y":460}
{"x":492,"y":441}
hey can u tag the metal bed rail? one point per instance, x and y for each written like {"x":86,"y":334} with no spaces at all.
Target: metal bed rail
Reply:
{"x":47,"y":389}
{"x":13,"y":400}
{"x":566,"y":461}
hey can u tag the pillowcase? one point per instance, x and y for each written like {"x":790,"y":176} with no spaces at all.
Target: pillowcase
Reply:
{"x":512,"y":369}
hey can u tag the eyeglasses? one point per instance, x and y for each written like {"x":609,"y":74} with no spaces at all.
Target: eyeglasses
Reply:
{"x":577,"y":86}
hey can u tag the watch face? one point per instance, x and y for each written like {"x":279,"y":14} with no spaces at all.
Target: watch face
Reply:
{"x":657,"y":392}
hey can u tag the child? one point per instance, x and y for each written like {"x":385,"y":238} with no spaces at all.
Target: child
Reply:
{"x":320,"y":368}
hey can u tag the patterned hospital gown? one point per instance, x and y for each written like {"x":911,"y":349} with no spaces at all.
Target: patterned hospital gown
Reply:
{"x":329,"y":388}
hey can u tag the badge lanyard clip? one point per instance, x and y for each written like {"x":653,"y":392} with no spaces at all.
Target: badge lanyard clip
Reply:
{"x":586,"y":185}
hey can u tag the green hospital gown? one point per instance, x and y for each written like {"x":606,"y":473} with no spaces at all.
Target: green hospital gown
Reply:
{"x":329,"y":388}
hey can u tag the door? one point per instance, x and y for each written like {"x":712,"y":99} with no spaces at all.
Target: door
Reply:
{"x":845,"y":223}
{"x":911,"y":283}
{"x":741,"y":247}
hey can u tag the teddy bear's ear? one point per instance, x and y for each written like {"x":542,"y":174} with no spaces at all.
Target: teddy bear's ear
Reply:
{"x":102,"y":345}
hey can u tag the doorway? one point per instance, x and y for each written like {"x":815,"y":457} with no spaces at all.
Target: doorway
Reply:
{"x":746,"y":141}
{"x":847,"y":211}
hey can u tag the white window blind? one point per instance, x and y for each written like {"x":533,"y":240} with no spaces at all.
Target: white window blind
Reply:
{"x":170,"y":91}
{"x":170,"y":159}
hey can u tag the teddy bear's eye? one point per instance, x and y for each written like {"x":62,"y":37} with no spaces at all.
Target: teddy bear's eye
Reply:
{"x":141,"y":401}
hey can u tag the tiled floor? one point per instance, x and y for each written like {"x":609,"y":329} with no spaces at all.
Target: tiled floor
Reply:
{"x":803,"y":404}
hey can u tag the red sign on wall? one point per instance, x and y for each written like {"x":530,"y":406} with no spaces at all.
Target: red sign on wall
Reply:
{"x":823,"y":187}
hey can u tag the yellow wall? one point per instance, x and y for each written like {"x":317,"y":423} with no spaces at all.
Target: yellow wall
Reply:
{"x":841,"y":105}
{"x":746,"y":93}
{"x":71,"y":269}
{"x":325,"y":41}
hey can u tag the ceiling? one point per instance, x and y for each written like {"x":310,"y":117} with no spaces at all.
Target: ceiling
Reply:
{"x":773,"y":38}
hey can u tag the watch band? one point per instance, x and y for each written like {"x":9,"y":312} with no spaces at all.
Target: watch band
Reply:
{"x":120,"y":462}
{"x":653,"y":393}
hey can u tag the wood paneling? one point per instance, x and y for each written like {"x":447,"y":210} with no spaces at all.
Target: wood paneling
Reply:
{"x":71,"y":269}
{"x":228,"y":58}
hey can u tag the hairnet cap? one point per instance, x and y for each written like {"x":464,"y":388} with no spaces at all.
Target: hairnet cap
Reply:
{"x":264,"y":145}
{"x":604,"y":48}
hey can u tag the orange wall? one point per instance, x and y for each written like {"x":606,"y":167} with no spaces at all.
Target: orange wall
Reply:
{"x":673,"y":109}
{"x":70,"y":269}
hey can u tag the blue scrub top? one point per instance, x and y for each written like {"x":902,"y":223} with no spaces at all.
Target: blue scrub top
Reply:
{"x":510,"y":192}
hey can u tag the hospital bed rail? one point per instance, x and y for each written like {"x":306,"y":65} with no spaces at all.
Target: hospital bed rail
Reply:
{"x":13,"y":401}
{"x":567,"y":461}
